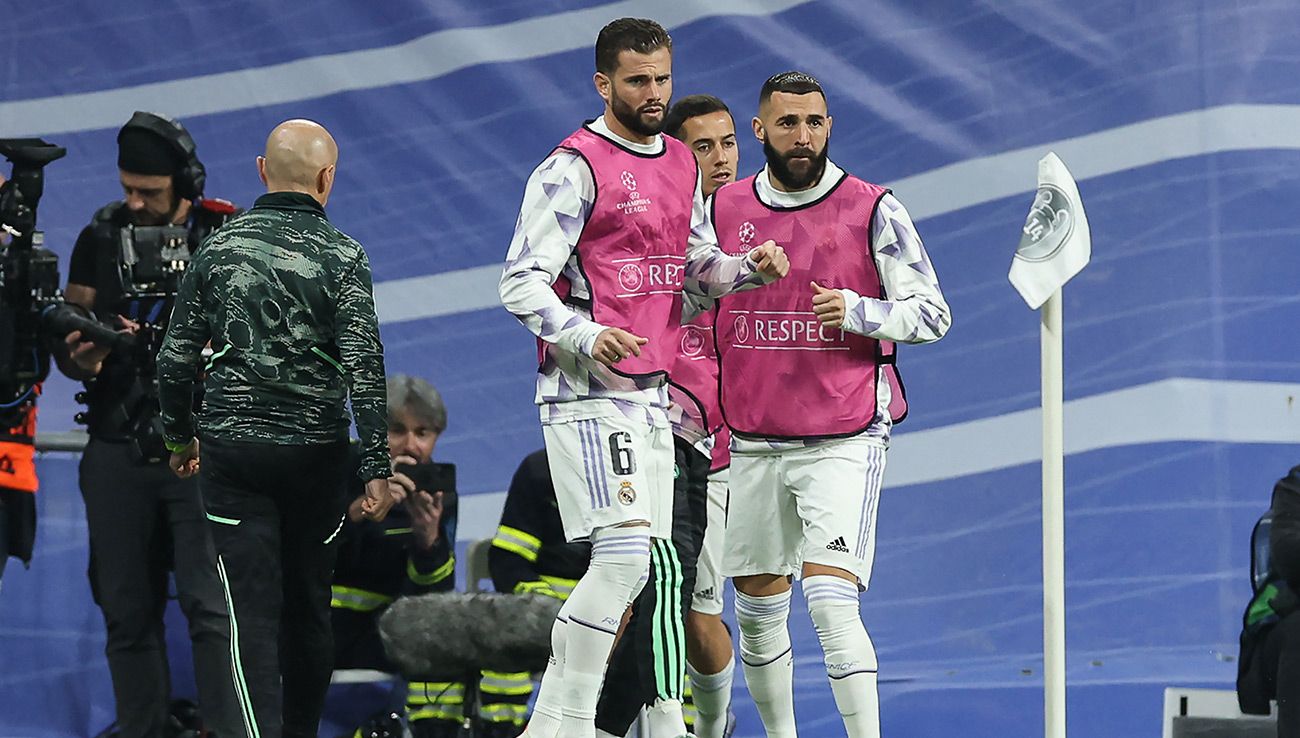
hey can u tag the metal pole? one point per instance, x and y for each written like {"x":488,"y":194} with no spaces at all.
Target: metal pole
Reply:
{"x":1053,"y":520}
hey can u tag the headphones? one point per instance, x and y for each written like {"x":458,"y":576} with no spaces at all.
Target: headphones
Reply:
{"x":189,"y":179}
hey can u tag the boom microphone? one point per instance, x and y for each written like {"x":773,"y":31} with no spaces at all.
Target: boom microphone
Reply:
{"x":457,"y":633}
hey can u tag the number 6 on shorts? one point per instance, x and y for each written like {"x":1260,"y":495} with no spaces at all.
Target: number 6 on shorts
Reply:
{"x":621,"y":455}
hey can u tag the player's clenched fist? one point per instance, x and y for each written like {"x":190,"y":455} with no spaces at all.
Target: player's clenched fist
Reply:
{"x":828,"y":305}
{"x":615,"y":344}
{"x":771,"y":259}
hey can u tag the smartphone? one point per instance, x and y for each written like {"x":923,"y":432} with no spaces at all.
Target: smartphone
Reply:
{"x":436,"y":477}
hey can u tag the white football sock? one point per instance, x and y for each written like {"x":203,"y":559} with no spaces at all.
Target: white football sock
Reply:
{"x":850,"y":655}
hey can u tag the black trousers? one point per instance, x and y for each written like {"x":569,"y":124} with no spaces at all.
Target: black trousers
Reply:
{"x":1280,"y":666}
{"x":649,"y":661}
{"x":275,"y":512}
{"x":143,"y":520}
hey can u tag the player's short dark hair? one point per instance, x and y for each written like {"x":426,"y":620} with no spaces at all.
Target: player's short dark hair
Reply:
{"x":691,"y":106}
{"x":795,"y":83}
{"x":641,"y":35}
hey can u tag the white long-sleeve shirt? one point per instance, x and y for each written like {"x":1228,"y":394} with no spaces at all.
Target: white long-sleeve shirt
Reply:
{"x":912,"y":309}
{"x":558,"y":201}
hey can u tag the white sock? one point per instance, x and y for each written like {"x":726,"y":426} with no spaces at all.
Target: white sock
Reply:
{"x":547,"y":712}
{"x":768,"y":660}
{"x":619,"y":559}
{"x":712,"y":696}
{"x":665,"y":719}
{"x":850,"y":655}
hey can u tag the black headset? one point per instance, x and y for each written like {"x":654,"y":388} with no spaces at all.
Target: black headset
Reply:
{"x":189,"y":179}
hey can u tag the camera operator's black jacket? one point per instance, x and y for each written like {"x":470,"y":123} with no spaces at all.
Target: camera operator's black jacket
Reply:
{"x":286,"y":300}
{"x":529,"y":552}
{"x":110,"y":396}
{"x":380,"y":561}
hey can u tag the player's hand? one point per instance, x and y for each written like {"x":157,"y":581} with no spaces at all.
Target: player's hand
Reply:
{"x":186,"y":461}
{"x":377,"y":501}
{"x":615,"y":344}
{"x":771,"y":259}
{"x":828,"y":305}
{"x":426,"y":517}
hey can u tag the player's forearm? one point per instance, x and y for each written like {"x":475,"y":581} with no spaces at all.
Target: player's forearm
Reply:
{"x":712,"y":274}
{"x":916,"y":319}
{"x":528,"y":295}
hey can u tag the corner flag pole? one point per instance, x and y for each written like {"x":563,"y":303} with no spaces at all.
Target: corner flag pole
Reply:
{"x":1053,"y":520}
{"x":1055,"y":245}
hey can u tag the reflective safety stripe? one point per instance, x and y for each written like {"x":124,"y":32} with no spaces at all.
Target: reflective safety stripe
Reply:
{"x":689,"y":712}
{"x":504,"y":713}
{"x":435,"y":693}
{"x":561,"y":585}
{"x":517,"y":542}
{"x":351,"y":598}
{"x":495,"y":682}
{"x":432,"y":713}
{"x":437,"y":575}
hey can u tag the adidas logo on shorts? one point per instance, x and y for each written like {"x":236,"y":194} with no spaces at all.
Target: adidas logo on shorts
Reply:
{"x":707,"y":594}
{"x":838,"y":545}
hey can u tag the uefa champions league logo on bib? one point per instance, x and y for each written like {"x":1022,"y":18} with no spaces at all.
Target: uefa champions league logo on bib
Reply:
{"x":746,"y":233}
{"x":630,"y":277}
{"x":692,"y":341}
{"x":741,"y":328}
{"x":634,"y":203}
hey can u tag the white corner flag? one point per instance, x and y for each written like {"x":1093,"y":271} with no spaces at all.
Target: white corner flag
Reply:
{"x":1055,"y":243}
{"x":1054,"y":246}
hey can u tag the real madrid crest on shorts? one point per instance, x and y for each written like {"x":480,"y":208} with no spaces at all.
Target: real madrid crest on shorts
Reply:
{"x":626,"y":494}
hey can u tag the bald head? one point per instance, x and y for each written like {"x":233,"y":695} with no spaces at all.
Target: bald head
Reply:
{"x":300,"y":157}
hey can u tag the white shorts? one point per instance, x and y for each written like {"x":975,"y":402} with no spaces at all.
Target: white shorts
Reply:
{"x":707,"y":598}
{"x":611,"y":470}
{"x":808,"y":505}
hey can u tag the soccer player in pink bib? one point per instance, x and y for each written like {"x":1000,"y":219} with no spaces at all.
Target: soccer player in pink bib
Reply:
{"x":611,"y":228}
{"x":810,"y":391}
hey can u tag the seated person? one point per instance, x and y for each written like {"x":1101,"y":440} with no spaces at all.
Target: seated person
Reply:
{"x":410,"y":552}
{"x":1269,"y":667}
{"x":529,"y":555}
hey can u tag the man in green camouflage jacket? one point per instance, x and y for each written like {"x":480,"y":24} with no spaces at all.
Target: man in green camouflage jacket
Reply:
{"x":285,"y":300}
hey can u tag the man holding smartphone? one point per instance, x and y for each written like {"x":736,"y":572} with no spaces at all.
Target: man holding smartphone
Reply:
{"x":410,"y":552}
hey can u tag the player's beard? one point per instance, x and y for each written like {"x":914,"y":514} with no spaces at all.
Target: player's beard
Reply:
{"x":779,"y":165}
{"x":633,"y":120}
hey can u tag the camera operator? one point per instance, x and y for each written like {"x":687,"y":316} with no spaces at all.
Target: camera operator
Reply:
{"x":143,"y":520}
{"x":17,"y":480}
{"x":407,"y":553}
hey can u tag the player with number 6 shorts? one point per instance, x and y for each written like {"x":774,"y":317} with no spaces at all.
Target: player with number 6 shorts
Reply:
{"x":612,"y":227}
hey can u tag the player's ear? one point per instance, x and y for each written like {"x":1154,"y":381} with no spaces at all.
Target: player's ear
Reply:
{"x":603,"y":85}
{"x":759,"y":133}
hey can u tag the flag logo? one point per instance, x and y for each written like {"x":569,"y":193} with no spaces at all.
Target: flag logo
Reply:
{"x":1049,"y":225}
